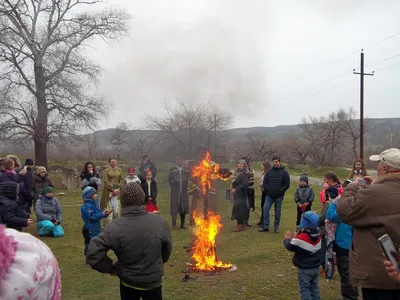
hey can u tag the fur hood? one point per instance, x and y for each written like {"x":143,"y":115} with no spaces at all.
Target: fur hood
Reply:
{"x":387,"y":177}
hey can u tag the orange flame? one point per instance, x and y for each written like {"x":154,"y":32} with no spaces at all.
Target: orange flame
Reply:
{"x":206,"y":171}
{"x":207,"y":227}
{"x":204,"y":248}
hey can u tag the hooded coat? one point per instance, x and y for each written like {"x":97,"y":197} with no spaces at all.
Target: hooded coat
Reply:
{"x":91,"y":216}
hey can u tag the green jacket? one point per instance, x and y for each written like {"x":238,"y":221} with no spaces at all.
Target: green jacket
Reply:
{"x":142,"y":243}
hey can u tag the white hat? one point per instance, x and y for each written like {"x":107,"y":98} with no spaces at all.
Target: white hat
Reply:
{"x":28,"y":268}
{"x":390,"y":157}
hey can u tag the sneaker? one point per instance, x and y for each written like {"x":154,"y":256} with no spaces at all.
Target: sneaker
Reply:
{"x":247,"y":225}
{"x":276,"y":230}
{"x":263,"y":229}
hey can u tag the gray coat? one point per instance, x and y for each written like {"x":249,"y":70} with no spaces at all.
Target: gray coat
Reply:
{"x":179,"y":181}
{"x":142,"y":243}
{"x":48,"y":209}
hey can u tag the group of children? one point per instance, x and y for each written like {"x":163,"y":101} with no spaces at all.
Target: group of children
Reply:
{"x":92,"y":214}
{"x":319,"y":239}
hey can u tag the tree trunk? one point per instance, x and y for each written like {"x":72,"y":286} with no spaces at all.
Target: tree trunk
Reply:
{"x":41,"y":137}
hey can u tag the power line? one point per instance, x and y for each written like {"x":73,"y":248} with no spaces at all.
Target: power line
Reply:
{"x":385,"y":59}
{"x":384,"y":68}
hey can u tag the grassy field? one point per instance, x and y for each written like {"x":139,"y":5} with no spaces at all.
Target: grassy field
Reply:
{"x":265,"y":269}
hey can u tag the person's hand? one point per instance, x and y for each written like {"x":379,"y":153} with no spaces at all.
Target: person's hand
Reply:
{"x":391,"y":270}
{"x":23,"y":171}
{"x":287,"y":235}
{"x":299,"y":204}
{"x":106,"y":213}
{"x":233,"y":191}
{"x":115,"y":192}
{"x":369,"y":180}
{"x":150,"y":198}
{"x":55,"y":222}
{"x":29,"y":222}
{"x":91,"y":172}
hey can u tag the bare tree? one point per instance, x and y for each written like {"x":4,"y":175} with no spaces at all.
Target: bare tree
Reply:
{"x":46,"y":78}
{"x":298,"y":149}
{"x":143,"y":141}
{"x":92,"y":143}
{"x":263,"y":146}
{"x":187,"y":124}
{"x":119,"y":138}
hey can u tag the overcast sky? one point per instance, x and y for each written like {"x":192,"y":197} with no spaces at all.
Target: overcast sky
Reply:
{"x":267,"y":62}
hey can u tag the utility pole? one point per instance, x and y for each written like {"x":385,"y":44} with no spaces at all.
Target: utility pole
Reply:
{"x":362,"y":74}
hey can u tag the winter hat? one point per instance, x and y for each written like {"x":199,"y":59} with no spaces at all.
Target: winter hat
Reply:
{"x":131,"y":169}
{"x":40,"y":170}
{"x":46,"y":190}
{"x":9,"y":189}
{"x":332,"y":192}
{"x":131,"y":195}
{"x":243,"y":162}
{"x":29,"y":162}
{"x":304,"y":178}
{"x":88,"y":192}
{"x":309,"y":220}
{"x":28,"y":268}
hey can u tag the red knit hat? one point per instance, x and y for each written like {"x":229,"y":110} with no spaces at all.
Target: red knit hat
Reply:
{"x":131,"y":169}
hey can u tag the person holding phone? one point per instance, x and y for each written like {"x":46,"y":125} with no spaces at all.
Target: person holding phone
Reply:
{"x":373,"y":209}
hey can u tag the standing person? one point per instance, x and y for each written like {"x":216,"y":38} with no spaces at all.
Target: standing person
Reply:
{"x":303,"y":198}
{"x":91,"y":215}
{"x":150,"y":189}
{"x":132,"y":177}
{"x":358,"y":170}
{"x":28,"y":268}
{"x":333,"y":181}
{"x":265,"y":166}
{"x":250,"y":190}
{"x":178,"y":179}
{"x":142,"y":244}
{"x":40,"y":181}
{"x":306,"y":246}
{"x":113,"y":178}
{"x":8,"y":173}
{"x":239,"y":187}
{"x":373,"y":211}
{"x":276,"y":183}
{"x":11,"y":213}
{"x":25,"y":195}
{"x":341,"y":246}
{"x":322,"y":194}
{"x":147,"y":164}
{"x":49,"y":214}
{"x":90,"y":177}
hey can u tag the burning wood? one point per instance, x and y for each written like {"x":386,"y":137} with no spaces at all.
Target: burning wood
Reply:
{"x":204,"y":252}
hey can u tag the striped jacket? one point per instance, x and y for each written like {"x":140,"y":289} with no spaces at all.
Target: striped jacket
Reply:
{"x":307,"y":250}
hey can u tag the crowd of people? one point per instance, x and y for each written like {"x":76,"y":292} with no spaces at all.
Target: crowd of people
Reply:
{"x":342,"y":234}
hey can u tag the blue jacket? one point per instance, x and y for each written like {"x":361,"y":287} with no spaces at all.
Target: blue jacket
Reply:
{"x":91,"y":216}
{"x":344,"y":232}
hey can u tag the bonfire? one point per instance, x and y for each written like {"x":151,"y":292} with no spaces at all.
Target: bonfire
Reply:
{"x":204,"y":253}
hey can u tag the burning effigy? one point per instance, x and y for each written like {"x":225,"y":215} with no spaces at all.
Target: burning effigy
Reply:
{"x":207,"y":225}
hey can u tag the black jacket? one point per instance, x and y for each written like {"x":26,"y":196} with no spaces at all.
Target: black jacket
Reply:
{"x":142,"y":243}
{"x":304,"y":194}
{"x":148,"y":165}
{"x":153,"y":190}
{"x":12,"y":214}
{"x":276,"y":182}
{"x":307,"y":248}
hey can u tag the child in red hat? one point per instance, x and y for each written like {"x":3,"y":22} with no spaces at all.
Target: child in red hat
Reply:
{"x":151,"y":190}
{"x":131,"y":176}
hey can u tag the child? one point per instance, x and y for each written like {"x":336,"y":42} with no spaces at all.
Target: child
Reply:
{"x":11,"y":213}
{"x":341,"y":246}
{"x":358,"y":170}
{"x":91,"y":215}
{"x":306,"y":246}
{"x":49,"y":214}
{"x":28,"y":268}
{"x":331,"y":179}
{"x":131,"y":176}
{"x":303,"y":197}
{"x":322,"y":194}
{"x":150,"y":189}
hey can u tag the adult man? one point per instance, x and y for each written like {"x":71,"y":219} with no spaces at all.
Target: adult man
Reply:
{"x":373,"y":211}
{"x":178,"y":179}
{"x":276,"y":183}
{"x":142,"y":244}
{"x":25,"y":195}
{"x":147,"y":164}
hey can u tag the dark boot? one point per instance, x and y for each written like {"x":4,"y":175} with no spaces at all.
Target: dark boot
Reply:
{"x":183,"y":222}
{"x":239,"y":228}
{"x":173,"y":224}
{"x":260,"y":222}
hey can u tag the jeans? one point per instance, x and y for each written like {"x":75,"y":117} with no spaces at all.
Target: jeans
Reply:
{"x":47,"y":228}
{"x":133,"y":294}
{"x":375,"y":294}
{"x":308,"y":282}
{"x":349,"y":292}
{"x":278,"y":208}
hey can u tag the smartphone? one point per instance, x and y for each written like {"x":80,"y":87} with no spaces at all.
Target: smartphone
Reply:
{"x":390,"y":251}
{"x":362,"y":182}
